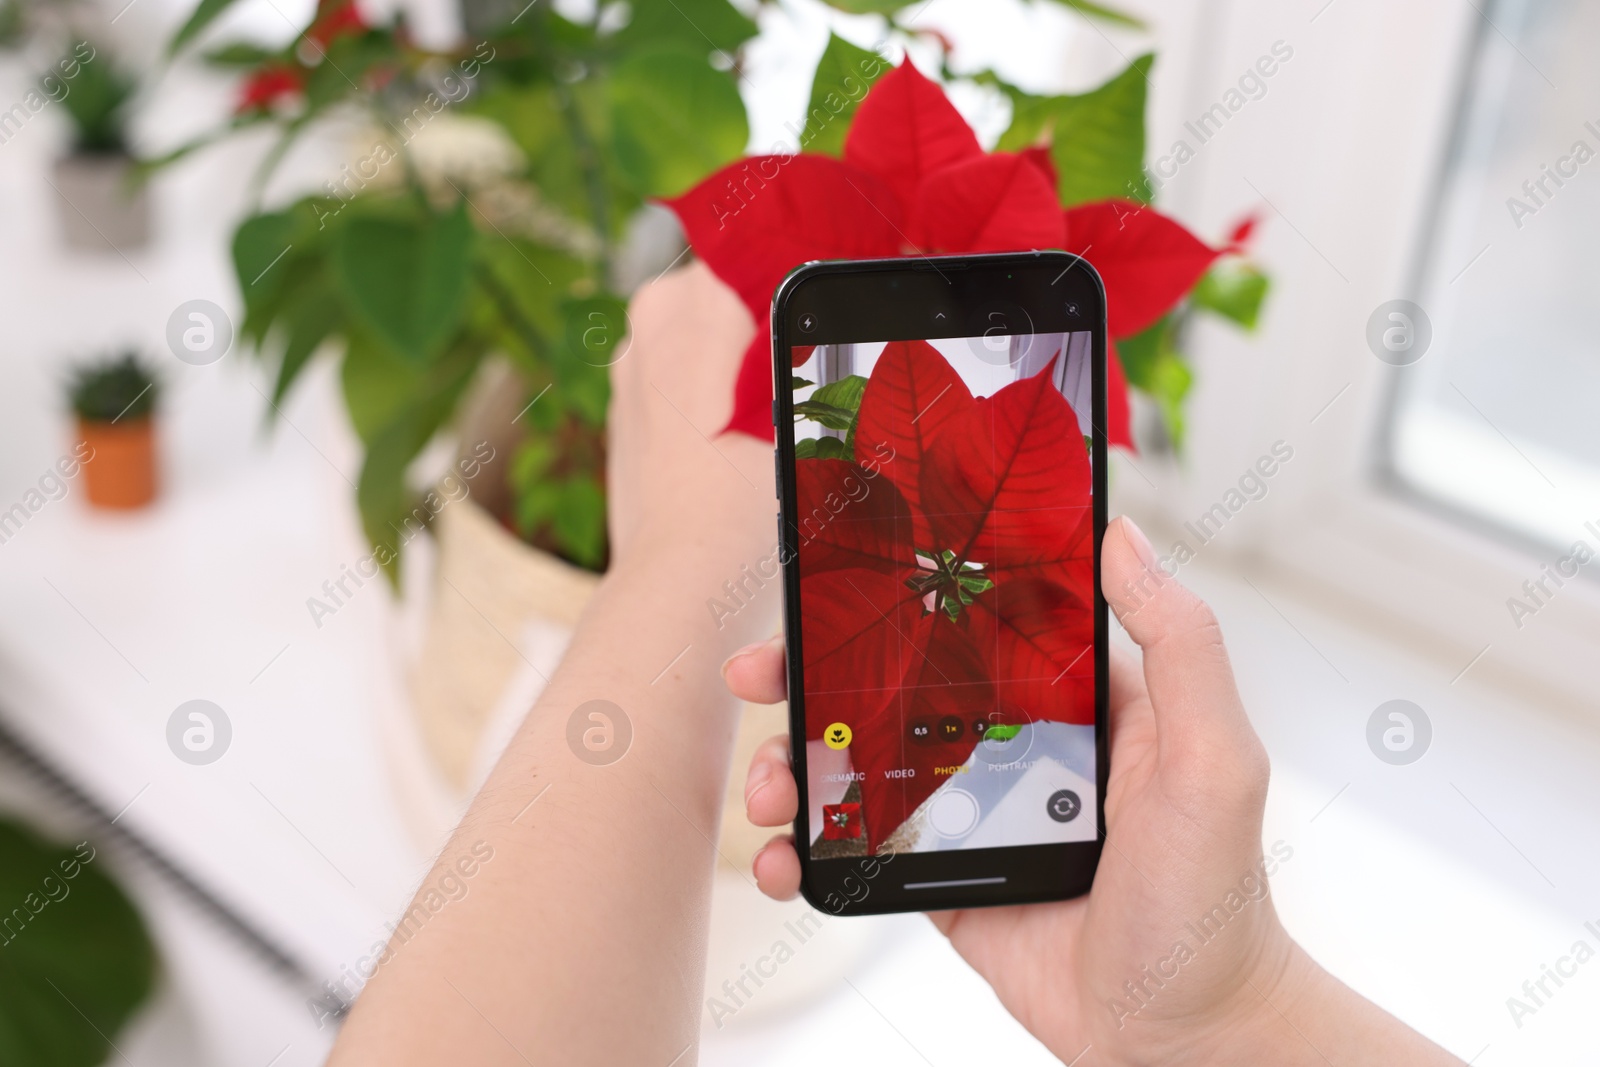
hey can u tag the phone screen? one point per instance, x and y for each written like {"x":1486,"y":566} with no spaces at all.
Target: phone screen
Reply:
{"x":944,"y":534}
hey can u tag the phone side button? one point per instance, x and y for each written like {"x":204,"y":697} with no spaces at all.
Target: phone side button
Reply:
{"x":777,"y":474}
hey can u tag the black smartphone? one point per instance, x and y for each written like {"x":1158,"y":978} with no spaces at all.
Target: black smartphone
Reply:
{"x":940,"y":426}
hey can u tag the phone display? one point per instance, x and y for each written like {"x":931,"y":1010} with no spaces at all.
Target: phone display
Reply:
{"x":940,"y":508}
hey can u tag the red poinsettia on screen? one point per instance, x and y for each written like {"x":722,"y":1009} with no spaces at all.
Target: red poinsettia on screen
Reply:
{"x":914,"y":181}
{"x":956,"y":582}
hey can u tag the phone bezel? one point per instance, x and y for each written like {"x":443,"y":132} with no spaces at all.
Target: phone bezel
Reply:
{"x":898,"y":299}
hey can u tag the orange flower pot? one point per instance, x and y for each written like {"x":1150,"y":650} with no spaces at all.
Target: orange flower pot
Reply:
{"x":120,"y":470}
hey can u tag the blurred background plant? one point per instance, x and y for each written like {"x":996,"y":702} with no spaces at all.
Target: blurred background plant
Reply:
{"x":423,"y":270}
{"x":97,"y":99}
{"x":76,"y":961}
{"x":490,"y":215}
{"x":113,"y":389}
{"x":115,"y":400}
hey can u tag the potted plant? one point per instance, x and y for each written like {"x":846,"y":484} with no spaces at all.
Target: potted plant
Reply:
{"x":100,"y":205}
{"x":114,"y":401}
{"x":488,"y":301}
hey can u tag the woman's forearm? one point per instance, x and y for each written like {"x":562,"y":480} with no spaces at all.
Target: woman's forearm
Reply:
{"x":1293,"y":1012}
{"x":1311,"y":1017}
{"x":582,"y":940}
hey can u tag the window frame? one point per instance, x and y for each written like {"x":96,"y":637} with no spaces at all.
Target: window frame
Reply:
{"x":1339,"y":527}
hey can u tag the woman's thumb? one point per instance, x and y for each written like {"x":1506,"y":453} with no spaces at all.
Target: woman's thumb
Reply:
{"x":1186,"y":666}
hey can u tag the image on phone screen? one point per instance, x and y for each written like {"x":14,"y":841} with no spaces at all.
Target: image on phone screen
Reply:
{"x":944,"y":535}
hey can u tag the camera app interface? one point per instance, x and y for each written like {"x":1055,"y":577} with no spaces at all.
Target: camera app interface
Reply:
{"x":945,"y":538}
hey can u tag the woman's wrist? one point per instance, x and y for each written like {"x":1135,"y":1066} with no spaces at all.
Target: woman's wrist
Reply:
{"x":714,"y":582}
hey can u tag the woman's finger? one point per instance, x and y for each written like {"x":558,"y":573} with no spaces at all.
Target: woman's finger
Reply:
{"x":777,"y":868}
{"x":770,"y":796}
{"x":756,"y":672}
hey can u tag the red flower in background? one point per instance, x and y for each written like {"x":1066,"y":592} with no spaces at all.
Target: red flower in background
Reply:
{"x":278,"y":80}
{"x":961,"y":582}
{"x":914,"y":181}
{"x":335,"y":18}
{"x":272,"y":83}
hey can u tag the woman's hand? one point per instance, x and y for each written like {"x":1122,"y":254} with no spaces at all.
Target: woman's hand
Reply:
{"x":669,"y":466}
{"x":599,"y":888}
{"x":1176,"y":956}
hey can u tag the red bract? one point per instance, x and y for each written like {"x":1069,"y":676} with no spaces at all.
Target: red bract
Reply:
{"x":335,"y":19}
{"x":954,"y":579}
{"x":914,"y":181}
{"x":267,"y":86}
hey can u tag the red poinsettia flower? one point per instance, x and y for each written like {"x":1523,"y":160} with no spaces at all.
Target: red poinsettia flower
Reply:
{"x":914,"y":181}
{"x":268,"y":85}
{"x":959,"y":583}
{"x":335,"y":18}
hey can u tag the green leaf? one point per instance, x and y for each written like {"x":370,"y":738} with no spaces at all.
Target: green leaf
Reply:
{"x":281,"y":261}
{"x":343,"y":70}
{"x":834,"y":418}
{"x":593,"y":329}
{"x":75,"y":959}
{"x":377,"y":384}
{"x":1139,"y":353}
{"x":580,"y":522}
{"x":391,"y":513}
{"x":406,"y":279}
{"x":1097,"y":139}
{"x":310,"y":322}
{"x":1154,"y":366}
{"x":538,"y":504}
{"x":595,"y":326}
{"x":1090,"y":9}
{"x":797,"y":382}
{"x":238,"y":55}
{"x":1234,"y":291}
{"x":869,"y":7}
{"x":198,"y":20}
{"x":844,"y":393}
{"x":974,"y":583}
{"x":673,"y":120}
{"x":844,"y":74}
{"x":559,"y":498}
{"x":694,"y":23}
{"x":820,"y":448}
{"x":533,"y":116}
{"x":1030,"y":119}
{"x":527,"y":286}
{"x":260,"y":245}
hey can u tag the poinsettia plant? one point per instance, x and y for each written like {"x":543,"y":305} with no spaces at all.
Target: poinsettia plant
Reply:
{"x":911,"y":179}
{"x":414,"y":276}
{"x":960,"y":576}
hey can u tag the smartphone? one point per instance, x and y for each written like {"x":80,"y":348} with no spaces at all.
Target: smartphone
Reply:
{"x":940,"y":428}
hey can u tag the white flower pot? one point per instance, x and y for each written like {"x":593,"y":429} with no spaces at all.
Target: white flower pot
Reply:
{"x":99,"y":210}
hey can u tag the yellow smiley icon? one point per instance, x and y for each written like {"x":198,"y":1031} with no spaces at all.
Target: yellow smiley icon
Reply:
{"x":837,"y":736}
